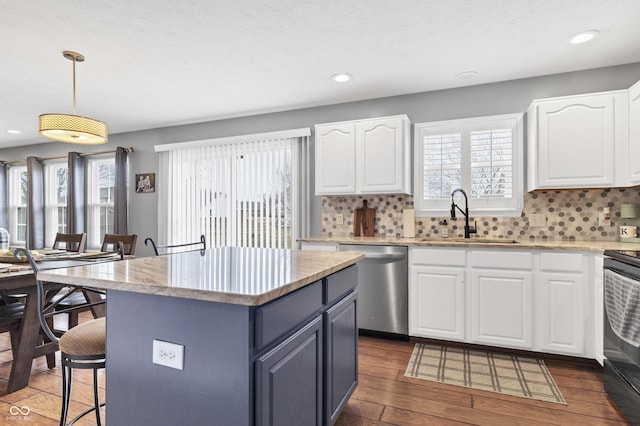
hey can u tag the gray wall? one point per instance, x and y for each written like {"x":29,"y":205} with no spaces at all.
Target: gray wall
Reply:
{"x":487,"y":99}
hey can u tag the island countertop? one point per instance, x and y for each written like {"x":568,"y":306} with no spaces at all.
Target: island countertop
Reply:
{"x":240,"y":276}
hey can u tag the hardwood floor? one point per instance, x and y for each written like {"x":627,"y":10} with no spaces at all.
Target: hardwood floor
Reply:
{"x":383,"y":397}
{"x":43,"y":395}
{"x":386,"y":397}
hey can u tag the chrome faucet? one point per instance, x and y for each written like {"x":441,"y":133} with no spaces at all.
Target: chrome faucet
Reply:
{"x":467,"y":229}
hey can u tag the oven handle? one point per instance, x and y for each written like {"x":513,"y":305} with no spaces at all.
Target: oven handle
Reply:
{"x":623,"y":273}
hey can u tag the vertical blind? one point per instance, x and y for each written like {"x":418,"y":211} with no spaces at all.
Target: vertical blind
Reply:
{"x":243,"y":193}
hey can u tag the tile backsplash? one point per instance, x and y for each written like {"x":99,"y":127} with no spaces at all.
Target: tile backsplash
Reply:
{"x":570,"y":215}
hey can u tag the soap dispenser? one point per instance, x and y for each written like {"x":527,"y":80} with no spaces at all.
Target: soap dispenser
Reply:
{"x":444,"y":230}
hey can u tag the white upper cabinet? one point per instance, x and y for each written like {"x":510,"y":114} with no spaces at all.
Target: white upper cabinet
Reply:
{"x":634,"y":135}
{"x":335,"y":158}
{"x":363,"y":157}
{"x":578,"y":141}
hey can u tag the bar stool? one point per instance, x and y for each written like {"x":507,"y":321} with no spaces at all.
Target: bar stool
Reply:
{"x":81,"y":347}
{"x":171,"y":248}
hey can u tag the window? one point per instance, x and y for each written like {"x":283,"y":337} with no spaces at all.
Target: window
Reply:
{"x":481,"y":155}
{"x":18,"y":205}
{"x":55,"y":200}
{"x":101,"y":186}
{"x":237,"y":193}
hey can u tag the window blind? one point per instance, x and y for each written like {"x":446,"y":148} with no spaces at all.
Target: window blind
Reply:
{"x":442,"y":164}
{"x":483,"y":155}
{"x":491,"y":159}
{"x":243,"y":193}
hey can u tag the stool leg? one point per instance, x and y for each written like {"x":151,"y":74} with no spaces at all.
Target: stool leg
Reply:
{"x":66,"y":393}
{"x":96,"y":401}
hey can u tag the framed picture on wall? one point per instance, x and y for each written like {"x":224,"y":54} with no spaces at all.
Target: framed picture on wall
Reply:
{"x":146,"y":182}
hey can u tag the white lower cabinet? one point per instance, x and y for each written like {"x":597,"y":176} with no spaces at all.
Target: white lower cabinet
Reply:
{"x":437,"y":293}
{"x":437,"y":296}
{"x":318,"y":246}
{"x":537,"y":300}
{"x":563,"y":300}
{"x":501,"y":308}
{"x":562,"y":313}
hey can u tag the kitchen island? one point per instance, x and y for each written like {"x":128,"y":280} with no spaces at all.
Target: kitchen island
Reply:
{"x":253,"y":336}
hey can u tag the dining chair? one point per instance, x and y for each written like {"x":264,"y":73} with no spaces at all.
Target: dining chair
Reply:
{"x":72,"y":242}
{"x":81,"y":347}
{"x":110,"y":243}
{"x":176,"y":248}
{"x":10,"y":320}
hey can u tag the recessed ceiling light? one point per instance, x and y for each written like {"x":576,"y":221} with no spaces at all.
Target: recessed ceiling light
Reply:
{"x":466,"y":75}
{"x":14,"y":132}
{"x":584,"y":36}
{"x":341,"y":77}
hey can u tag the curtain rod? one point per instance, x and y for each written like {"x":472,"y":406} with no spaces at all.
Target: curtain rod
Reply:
{"x":88,"y":154}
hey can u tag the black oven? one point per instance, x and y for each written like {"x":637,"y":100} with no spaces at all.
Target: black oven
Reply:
{"x":622,"y":331}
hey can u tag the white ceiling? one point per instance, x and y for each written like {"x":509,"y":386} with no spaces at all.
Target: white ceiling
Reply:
{"x":164,"y":62}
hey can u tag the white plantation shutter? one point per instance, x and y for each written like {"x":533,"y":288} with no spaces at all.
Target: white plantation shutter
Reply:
{"x":244,"y":192}
{"x":480,"y":155}
{"x":442,"y":162}
{"x":491,"y":163}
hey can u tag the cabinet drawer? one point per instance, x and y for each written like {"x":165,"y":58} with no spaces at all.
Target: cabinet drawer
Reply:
{"x":438,"y":257}
{"x":558,"y":261}
{"x":339,"y":284}
{"x":284,"y":315}
{"x":501,"y":259}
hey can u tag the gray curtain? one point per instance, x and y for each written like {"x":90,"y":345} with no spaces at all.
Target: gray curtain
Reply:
{"x":4,"y":222}
{"x":75,"y":194}
{"x":35,"y":203}
{"x":121,"y":209}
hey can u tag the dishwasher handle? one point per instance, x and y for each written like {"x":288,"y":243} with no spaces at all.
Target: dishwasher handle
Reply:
{"x":386,"y":256}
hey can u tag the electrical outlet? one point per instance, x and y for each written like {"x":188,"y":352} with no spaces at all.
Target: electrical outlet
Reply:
{"x":604,"y":219}
{"x":168,"y":354}
{"x":537,"y":219}
{"x":339,"y":219}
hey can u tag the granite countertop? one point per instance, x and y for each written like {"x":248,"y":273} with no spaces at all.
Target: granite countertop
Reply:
{"x":591,"y":246}
{"x":241,"y":276}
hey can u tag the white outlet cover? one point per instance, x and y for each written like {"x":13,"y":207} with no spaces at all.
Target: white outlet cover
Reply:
{"x":168,"y":354}
{"x":537,"y":219}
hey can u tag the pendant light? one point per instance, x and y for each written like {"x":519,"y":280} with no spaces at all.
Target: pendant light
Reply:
{"x":72,"y":128}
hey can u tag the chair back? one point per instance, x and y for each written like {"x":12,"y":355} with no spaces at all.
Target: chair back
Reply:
{"x":110,"y":243}
{"x":177,"y":248}
{"x":72,"y":242}
{"x":48,"y":305}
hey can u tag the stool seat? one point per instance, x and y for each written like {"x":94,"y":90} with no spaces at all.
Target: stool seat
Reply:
{"x":85,"y":339}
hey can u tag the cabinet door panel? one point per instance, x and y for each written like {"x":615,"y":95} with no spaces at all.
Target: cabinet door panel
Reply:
{"x":562,"y":313}
{"x":501,"y":308}
{"x":437,"y":302}
{"x":289,"y":380}
{"x":381,"y":147}
{"x":335,"y":148}
{"x":341,"y":356}
{"x":576,"y":142}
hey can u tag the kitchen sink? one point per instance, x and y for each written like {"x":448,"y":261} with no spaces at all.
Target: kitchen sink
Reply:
{"x":471,"y":240}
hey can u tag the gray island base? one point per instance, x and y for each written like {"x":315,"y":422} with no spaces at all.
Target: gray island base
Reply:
{"x":276,"y":344}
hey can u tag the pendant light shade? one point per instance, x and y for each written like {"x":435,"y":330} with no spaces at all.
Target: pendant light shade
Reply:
{"x":72,"y":128}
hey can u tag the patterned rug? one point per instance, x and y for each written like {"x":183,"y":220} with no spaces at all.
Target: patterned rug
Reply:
{"x":495,"y":372}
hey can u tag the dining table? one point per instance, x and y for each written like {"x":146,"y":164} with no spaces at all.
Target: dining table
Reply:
{"x":18,"y":280}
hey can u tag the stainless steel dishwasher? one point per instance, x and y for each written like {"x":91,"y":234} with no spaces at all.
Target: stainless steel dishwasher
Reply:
{"x":382,"y":288}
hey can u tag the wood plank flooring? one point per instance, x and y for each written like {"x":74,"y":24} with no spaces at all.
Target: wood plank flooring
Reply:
{"x":383,"y":397}
{"x":386,"y":397}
